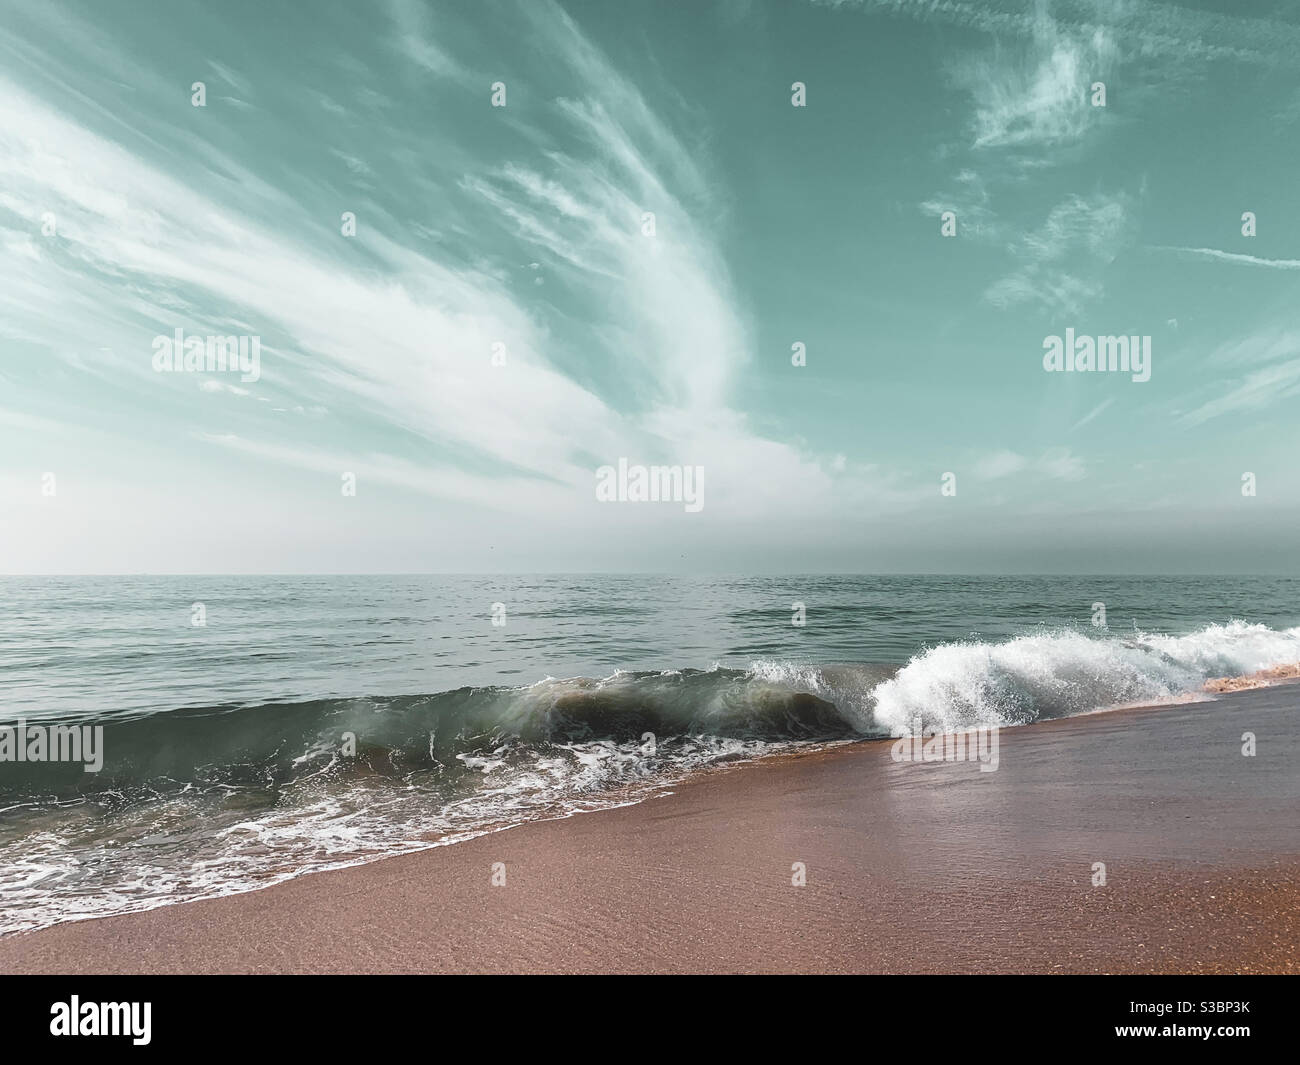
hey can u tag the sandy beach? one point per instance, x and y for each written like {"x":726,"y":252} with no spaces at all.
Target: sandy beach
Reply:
{"x":909,"y":868}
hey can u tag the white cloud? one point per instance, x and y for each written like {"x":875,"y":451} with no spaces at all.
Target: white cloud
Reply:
{"x":400,"y":336}
{"x":1257,"y":390}
{"x":1037,"y":96}
{"x":1064,"y":259}
{"x":1000,"y":464}
{"x":1055,"y":463}
{"x":414,"y":39}
{"x":1272,"y":361}
{"x":1150,"y":29}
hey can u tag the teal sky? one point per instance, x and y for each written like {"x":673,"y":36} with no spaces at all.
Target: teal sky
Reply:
{"x":774,"y":224}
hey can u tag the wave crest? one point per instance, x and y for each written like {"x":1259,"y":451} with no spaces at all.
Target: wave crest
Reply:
{"x":1057,"y":674}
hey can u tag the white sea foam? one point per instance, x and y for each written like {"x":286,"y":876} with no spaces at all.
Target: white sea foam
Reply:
{"x":1057,"y":674}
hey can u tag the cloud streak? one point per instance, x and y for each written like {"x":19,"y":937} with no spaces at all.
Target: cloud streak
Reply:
{"x":1235,"y":258}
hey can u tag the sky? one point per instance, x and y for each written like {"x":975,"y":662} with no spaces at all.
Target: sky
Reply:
{"x":488,"y":248}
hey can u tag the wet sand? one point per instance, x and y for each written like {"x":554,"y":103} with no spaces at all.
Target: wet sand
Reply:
{"x":1263,"y":679}
{"x":910,"y":868}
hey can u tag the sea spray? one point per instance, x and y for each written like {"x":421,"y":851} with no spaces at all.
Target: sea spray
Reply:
{"x":1063,"y":672}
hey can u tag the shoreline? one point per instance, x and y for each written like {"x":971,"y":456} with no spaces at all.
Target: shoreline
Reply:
{"x":909,"y":868}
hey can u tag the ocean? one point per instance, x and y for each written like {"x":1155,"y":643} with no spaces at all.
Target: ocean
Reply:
{"x":255,"y":728}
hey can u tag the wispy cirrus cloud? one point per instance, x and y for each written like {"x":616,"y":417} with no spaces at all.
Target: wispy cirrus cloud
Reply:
{"x":414,"y":39}
{"x":387,"y":336}
{"x":1235,"y":258}
{"x":971,"y":202}
{"x":1035,"y":95}
{"x":1029,"y":92}
{"x":1258,"y":389}
{"x":523,"y":227}
{"x":1063,"y":260}
{"x":1251,"y":374}
{"x":1149,"y":29}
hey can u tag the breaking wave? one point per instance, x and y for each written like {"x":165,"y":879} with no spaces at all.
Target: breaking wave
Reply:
{"x":1058,"y":674}
{"x":198,"y":802}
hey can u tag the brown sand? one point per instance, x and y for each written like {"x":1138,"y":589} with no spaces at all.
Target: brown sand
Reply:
{"x":910,"y":868}
{"x":1263,"y":679}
